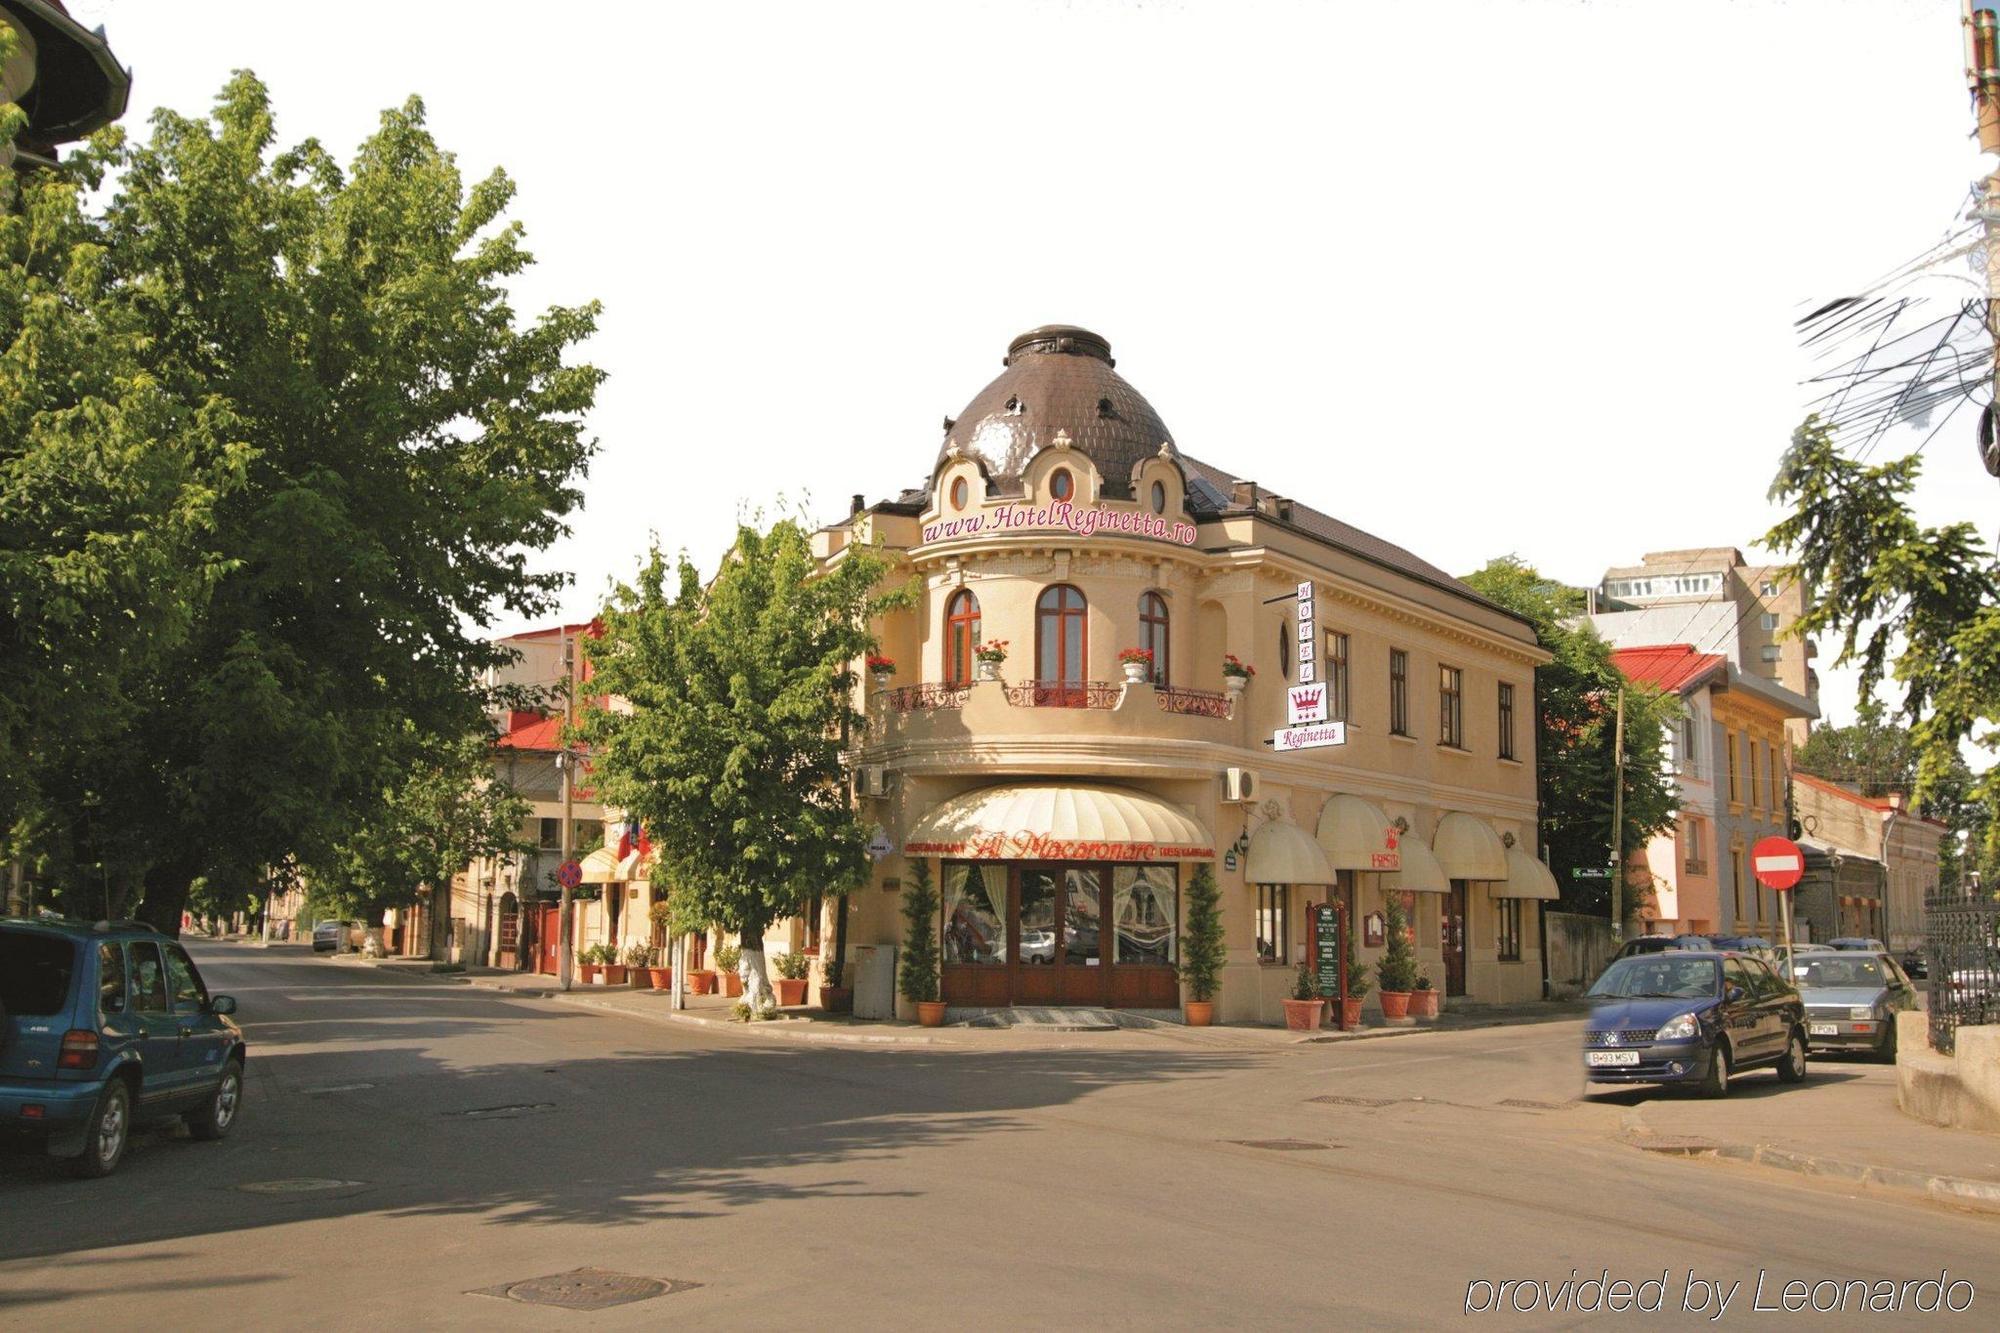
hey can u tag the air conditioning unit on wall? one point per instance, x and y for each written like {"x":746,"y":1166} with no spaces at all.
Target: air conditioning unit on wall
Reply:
{"x":1239,"y":784}
{"x":871,"y":780}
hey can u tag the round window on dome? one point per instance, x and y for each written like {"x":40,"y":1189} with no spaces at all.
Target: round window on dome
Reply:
{"x":1061,"y":485}
{"x":1159,"y":497}
{"x":958,"y":492}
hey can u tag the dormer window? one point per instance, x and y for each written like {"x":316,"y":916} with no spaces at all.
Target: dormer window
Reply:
{"x":1015,"y":407}
{"x":1105,"y":409}
{"x":1062,"y":486}
{"x":959,"y":491}
{"x":1159,"y":497}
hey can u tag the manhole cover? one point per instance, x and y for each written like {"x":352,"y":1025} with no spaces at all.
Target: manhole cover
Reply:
{"x":298,"y":1185}
{"x":1355,"y":1101}
{"x":585,"y":1289}
{"x":1284,"y":1145}
{"x":504,"y":1112}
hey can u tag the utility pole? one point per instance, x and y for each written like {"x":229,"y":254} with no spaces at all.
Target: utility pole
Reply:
{"x":1982,"y":77}
{"x":567,"y":760}
{"x":1618,"y":823}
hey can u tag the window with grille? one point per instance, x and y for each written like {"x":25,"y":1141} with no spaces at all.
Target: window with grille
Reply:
{"x":1399,"y":692}
{"x":1506,"y":720}
{"x":1451,"y":707}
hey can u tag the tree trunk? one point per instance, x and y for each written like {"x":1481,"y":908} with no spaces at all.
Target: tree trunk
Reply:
{"x":750,"y":966}
{"x":166,"y":897}
{"x":837,"y":965}
{"x":441,"y":923}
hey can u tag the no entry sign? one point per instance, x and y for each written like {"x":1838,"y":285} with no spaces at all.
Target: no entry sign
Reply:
{"x":569,"y":874}
{"x":1778,"y":863}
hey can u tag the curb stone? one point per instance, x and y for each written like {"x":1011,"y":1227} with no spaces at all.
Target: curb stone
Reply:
{"x":1979,"y":1195}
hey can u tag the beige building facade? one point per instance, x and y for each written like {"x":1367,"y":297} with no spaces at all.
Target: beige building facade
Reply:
{"x":1870,"y":864}
{"x":1065,"y":797}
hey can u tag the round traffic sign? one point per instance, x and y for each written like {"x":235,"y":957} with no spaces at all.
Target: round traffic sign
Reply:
{"x":1778,"y":863}
{"x":570,"y":874}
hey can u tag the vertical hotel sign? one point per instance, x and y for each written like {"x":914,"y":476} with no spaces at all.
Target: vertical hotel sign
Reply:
{"x":1305,"y":702}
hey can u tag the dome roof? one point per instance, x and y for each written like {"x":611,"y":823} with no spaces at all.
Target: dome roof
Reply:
{"x":1057,"y":378}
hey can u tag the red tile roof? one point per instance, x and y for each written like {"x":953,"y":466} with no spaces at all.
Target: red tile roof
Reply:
{"x":530,"y":731}
{"x":1671,"y":667}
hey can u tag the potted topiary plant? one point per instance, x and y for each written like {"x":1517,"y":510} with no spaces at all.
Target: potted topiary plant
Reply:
{"x":1357,"y":987}
{"x":636,"y":958}
{"x":833,"y":999}
{"x":1201,"y":949}
{"x":589,"y":962}
{"x":917,"y":971}
{"x":1423,"y":1000}
{"x":660,"y":969}
{"x":1398,"y":969}
{"x":701,"y":980}
{"x":1304,"y":1006}
{"x":727,"y":956}
{"x":614,"y":966}
{"x":791,"y":980}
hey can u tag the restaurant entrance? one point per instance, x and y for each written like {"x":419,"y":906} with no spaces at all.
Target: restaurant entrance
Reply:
{"x":1061,"y":933}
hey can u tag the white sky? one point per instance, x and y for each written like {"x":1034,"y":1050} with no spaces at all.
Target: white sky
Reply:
{"x":1504,"y":277}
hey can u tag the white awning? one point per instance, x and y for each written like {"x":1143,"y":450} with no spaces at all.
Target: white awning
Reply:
{"x":1527,"y":877}
{"x":1421,"y":872}
{"x":1283,"y":853}
{"x":1468,"y":848}
{"x":1059,"y":822}
{"x":1356,"y":835}
{"x":601,"y":867}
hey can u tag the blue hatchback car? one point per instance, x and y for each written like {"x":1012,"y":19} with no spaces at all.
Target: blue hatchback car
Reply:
{"x":106,"y":1027}
{"x":1693,"y":1017}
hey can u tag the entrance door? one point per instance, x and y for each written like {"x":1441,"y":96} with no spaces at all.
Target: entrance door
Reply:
{"x":548,"y":938}
{"x":1057,"y":914}
{"x":1452,"y":928}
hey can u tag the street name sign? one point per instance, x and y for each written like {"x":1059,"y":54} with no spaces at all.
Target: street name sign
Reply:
{"x":1778,"y":863}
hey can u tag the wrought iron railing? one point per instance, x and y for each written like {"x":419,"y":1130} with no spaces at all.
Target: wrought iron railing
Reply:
{"x":1962,"y":954}
{"x":1064,"y":694}
{"x":927,"y":697}
{"x":1194,"y":703}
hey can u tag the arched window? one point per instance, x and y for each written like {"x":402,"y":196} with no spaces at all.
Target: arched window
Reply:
{"x":1061,"y":485}
{"x":961,"y":636}
{"x":1153,"y":633}
{"x":959,"y":491}
{"x":1059,"y":636}
{"x":1159,"y":497}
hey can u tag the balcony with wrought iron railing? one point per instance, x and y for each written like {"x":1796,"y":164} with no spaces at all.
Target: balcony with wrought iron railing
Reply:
{"x":991,"y":709}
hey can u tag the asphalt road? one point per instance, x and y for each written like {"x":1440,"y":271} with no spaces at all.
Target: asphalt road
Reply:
{"x":467,"y":1140}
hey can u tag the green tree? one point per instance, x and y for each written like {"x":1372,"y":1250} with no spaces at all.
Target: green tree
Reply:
{"x":1203,"y":949}
{"x":411,"y":444}
{"x":917,"y":969}
{"x":108,"y":488}
{"x":1398,"y":968}
{"x":1575,"y":731}
{"x":730,"y":752}
{"x":1914,"y":604}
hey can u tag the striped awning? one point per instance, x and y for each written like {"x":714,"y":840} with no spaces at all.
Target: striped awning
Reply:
{"x":1527,"y":877}
{"x":1468,"y":848}
{"x":1059,"y":822}
{"x":1357,"y":835}
{"x":1283,"y":853}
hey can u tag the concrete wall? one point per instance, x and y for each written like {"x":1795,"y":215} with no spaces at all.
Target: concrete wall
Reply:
{"x":1958,"y":1091}
{"x":1580,"y":947}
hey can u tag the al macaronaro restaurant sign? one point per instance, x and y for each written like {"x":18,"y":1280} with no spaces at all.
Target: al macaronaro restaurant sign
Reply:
{"x":1098,"y":520}
{"x":1030,"y":846}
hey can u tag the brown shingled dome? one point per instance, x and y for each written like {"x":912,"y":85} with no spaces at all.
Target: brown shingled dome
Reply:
{"x":1058,"y":378}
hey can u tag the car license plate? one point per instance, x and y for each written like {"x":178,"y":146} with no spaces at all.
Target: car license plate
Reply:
{"x":1823,"y":1029}
{"x":1611,"y":1057}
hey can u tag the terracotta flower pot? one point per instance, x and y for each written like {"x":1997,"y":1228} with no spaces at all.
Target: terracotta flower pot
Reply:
{"x":1350,"y":1014}
{"x":701,"y":981}
{"x":661,"y":977}
{"x":1199,"y":1013}
{"x":614,"y":974}
{"x":1395,"y":1004}
{"x":790,"y":992}
{"x":732,"y":983}
{"x":1303,"y":1015}
{"x":930,"y":1013}
{"x":836,"y":999}
{"x":641,"y":978}
{"x":587,"y":973}
{"x":1423,"y":1004}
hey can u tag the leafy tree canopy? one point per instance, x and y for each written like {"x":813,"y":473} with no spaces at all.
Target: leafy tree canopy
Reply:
{"x":740,"y":690}
{"x":1575,"y":765}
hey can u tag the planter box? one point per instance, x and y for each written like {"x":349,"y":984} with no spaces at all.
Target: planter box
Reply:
{"x":701,"y":982}
{"x":732,"y":983}
{"x":1303,"y":1015}
{"x":790,"y":993}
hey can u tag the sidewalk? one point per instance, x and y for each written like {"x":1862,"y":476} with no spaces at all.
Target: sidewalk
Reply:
{"x":815,"y":1025}
{"x":1841,"y":1125}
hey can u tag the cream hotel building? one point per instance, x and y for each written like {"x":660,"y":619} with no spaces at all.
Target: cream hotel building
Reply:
{"x":1064,"y":799}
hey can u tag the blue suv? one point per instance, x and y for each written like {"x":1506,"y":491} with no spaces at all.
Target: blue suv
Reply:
{"x":105,"y":1027}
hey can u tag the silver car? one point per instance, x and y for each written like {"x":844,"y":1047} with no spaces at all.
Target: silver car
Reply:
{"x":1852,"y":999}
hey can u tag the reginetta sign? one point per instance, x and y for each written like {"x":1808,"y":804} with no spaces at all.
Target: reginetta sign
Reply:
{"x":1028,"y":845}
{"x":1305,"y":703}
{"x":1310,"y":738}
{"x":1078,"y":520}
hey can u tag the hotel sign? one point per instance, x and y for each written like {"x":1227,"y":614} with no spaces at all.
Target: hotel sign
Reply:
{"x":1310,"y":737}
{"x":1027,"y":845}
{"x":1015,"y":516}
{"x":1305,"y":703}
{"x":1308,"y":640}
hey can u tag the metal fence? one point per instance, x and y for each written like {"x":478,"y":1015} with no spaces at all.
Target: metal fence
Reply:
{"x":1962,"y":953}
